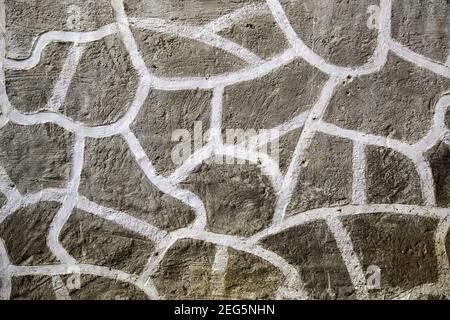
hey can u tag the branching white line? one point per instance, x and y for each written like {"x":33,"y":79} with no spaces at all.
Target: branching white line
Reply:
{"x":219,"y":269}
{"x":60,"y":289}
{"x":68,"y":205}
{"x":311,"y":121}
{"x":65,"y":78}
{"x":199,"y":34}
{"x":61,"y":269}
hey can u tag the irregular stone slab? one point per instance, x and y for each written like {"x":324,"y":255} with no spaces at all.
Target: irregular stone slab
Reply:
{"x":439,"y":158}
{"x":193,"y":12}
{"x":250,"y":277}
{"x":397,"y":102}
{"x":172,"y":56}
{"x":401,"y":246}
{"x":325,"y":178}
{"x":239,"y":200}
{"x":312,"y":249}
{"x":163,"y":115}
{"x":424,"y":29}
{"x":92,"y":240}
{"x":260,"y":34}
{"x":293,"y":88}
{"x":185,"y":271}
{"x":104,"y":85}
{"x":335,"y":30}
{"x":110,"y":166}
{"x":25,"y":234}
{"x":391,"y":177}
{"x":2,"y":200}
{"x":30,"y":90}
{"x":98,"y":288}
{"x":26,"y":20}
{"x":36,"y":157}
{"x":32,"y":288}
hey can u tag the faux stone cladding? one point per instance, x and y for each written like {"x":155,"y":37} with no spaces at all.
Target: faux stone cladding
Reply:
{"x":355,"y":205}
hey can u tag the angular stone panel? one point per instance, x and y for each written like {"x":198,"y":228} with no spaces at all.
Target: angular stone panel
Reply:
{"x":336,"y":30}
{"x":92,"y":240}
{"x":25,"y":234}
{"x":397,"y":102}
{"x":250,"y":277}
{"x":42,"y":162}
{"x":239,"y":200}
{"x":104,"y":85}
{"x":325,"y":178}
{"x":391,"y":178}
{"x":401,"y":246}
{"x":30,"y":90}
{"x":163,"y":115}
{"x":110,"y":166}
{"x":185,"y":272}
{"x":312,"y":249}
{"x":274,"y":98}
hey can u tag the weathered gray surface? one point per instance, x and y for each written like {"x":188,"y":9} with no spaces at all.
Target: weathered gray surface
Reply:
{"x":87,"y":176}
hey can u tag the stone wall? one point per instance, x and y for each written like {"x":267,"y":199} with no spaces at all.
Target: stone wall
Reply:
{"x":210,"y":149}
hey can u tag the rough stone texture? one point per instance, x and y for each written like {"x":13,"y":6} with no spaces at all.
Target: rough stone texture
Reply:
{"x":423,"y":28}
{"x":292,"y":89}
{"x":185,"y":271}
{"x":401,"y":246}
{"x":439,"y":158}
{"x":168,"y":55}
{"x":30,"y":90}
{"x":312,"y":249}
{"x":104,"y":85}
{"x":239,"y":200}
{"x":26,"y":20}
{"x":260,"y":35}
{"x":43,"y":162}
{"x":24,"y":233}
{"x":250,"y":277}
{"x":334,"y":29}
{"x":109,"y":166}
{"x":32,"y":288}
{"x":193,"y":12}
{"x":164,"y":112}
{"x":391,"y":178}
{"x":97,"y":288}
{"x":397,"y":102}
{"x":92,"y":240}
{"x":325,"y":175}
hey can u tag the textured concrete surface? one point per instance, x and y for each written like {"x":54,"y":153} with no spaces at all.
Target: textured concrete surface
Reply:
{"x":96,"y":96}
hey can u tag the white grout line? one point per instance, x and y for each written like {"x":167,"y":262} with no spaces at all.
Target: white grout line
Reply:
{"x":5,"y":276}
{"x":359,"y":173}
